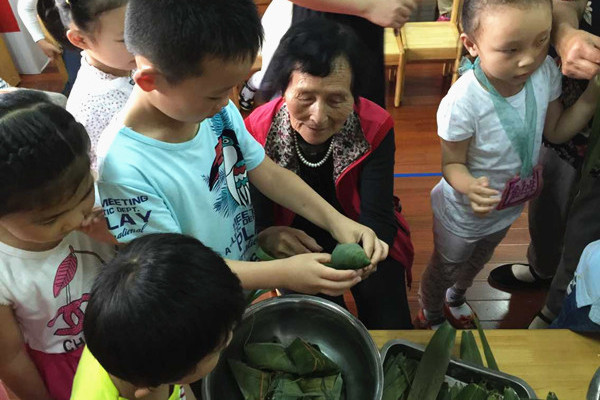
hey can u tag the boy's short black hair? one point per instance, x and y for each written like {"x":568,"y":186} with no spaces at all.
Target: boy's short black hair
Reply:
{"x":472,"y":9}
{"x":160,"y":306}
{"x":176,"y":35}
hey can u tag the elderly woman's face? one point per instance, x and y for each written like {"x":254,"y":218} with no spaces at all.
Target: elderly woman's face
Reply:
{"x":318,"y":106}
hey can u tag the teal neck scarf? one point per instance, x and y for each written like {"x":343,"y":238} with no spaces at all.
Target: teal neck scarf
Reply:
{"x":520,"y":132}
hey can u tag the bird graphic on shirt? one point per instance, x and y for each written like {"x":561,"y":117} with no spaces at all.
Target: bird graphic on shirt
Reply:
{"x":228,"y":154}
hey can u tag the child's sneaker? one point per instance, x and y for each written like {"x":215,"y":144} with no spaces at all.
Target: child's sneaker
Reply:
{"x":444,"y":18}
{"x":421,"y":322}
{"x":460,"y":315}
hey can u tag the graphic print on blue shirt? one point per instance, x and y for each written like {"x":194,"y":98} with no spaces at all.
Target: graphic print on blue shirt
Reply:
{"x":229,"y":155}
{"x":228,"y":178}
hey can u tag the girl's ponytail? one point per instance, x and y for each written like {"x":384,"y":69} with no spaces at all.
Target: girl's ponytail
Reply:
{"x":43,"y":152}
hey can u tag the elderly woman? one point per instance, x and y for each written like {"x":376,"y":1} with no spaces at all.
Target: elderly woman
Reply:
{"x":343,"y":147}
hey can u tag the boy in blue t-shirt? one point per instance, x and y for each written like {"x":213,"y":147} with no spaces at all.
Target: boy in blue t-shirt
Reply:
{"x":181,"y":159}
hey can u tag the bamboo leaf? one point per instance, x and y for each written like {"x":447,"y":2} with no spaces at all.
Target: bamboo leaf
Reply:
{"x":487,"y":350}
{"x":309,"y":360}
{"x":468,"y":348}
{"x":285,"y":389}
{"x":269,"y":356}
{"x":472,"y":392}
{"x":253,"y":383}
{"x":510,"y":394}
{"x":325,"y":388}
{"x":263,"y":255}
{"x":434,"y":363}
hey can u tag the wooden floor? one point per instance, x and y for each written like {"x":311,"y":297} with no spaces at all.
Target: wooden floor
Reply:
{"x":417,"y":154}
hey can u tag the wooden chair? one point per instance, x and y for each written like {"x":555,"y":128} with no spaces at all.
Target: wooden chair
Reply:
{"x":8,"y":71}
{"x":428,"y":41}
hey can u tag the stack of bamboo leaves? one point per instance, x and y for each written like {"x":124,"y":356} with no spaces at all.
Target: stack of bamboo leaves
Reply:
{"x":296,"y":372}
{"x":408,"y":379}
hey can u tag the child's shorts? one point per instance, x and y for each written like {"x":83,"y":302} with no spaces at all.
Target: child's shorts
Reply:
{"x":57,"y":371}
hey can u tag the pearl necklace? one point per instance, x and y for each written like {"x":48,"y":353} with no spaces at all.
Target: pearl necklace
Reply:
{"x":308,"y":163}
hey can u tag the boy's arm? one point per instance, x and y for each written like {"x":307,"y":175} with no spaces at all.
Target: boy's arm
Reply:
{"x":578,"y":49}
{"x":286,"y":188}
{"x":387,"y":13}
{"x":561,"y":126}
{"x":454,"y":167}
{"x":16,"y":368}
{"x":302,"y":273}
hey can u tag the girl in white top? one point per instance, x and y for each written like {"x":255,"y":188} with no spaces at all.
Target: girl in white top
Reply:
{"x":103,"y":82}
{"x":491,"y":124}
{"x":46,"y":266}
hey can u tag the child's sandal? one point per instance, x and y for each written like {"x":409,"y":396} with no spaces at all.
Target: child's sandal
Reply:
{"x":421,"y":322}
{"x":462,"y":322}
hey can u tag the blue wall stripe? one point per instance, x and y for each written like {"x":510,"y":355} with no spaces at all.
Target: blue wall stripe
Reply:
{"x":417,"y":175}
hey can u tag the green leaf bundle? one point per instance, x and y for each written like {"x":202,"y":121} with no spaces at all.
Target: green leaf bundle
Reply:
{"x":253,"y":383}
{"x":269,"y":356}
{"x":349,"y":256}
{"x":309,"y":360}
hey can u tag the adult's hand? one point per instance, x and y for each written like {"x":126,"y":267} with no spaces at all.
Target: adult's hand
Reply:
{"x":51,"y":51}
{"x":283,"y":241}
{"x":390,"y":13}
{"x":580,"y":53}
{"x":349,"y":231}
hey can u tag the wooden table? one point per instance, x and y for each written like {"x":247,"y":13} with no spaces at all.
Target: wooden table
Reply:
{"x":548,"y":360}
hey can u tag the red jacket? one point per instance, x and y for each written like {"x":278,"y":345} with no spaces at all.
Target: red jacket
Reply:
{"x":375,"y":123}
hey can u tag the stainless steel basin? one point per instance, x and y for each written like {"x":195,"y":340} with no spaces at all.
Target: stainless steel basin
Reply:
{"x":338,"y":334}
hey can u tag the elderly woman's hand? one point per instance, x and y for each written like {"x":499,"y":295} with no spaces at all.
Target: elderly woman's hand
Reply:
{"x":349,"y":231}
{"x":580,"y":53}
{"x":283,"y":241}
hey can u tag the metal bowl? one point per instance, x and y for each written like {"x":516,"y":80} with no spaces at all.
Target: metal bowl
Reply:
{"x":339,"y":335}
{"x":462,"y":372}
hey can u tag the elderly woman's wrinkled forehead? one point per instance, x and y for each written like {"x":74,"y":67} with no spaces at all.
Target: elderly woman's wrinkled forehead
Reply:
{"x":338,"y":67}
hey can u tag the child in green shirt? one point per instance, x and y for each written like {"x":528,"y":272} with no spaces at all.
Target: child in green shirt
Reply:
{"x":158,"y":318}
